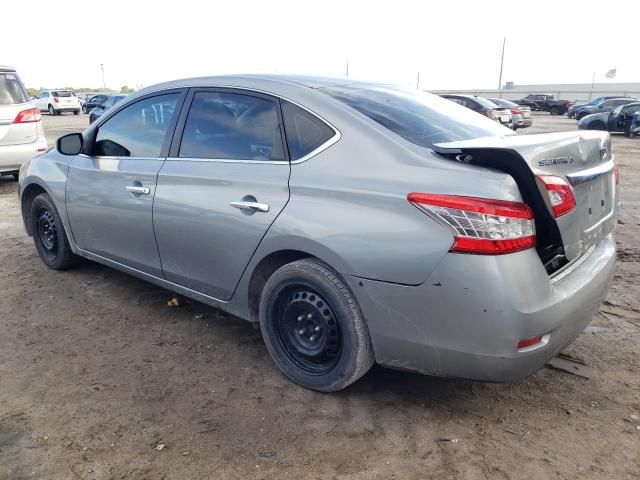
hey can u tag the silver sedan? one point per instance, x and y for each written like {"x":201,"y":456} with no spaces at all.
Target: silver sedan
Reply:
{"x":357,"y":223}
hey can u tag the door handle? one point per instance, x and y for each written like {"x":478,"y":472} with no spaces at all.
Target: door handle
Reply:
{"x":252,"y":206}
{"x":138,"y":189}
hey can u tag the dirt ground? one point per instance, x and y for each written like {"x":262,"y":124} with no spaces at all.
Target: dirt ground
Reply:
{"x":97,"y":372}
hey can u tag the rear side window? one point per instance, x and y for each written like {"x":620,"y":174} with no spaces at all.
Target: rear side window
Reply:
{"x":11,"y":89}
{"x":232,"y":126}
{"x":305,"y":131}
{"x":418,"y":117}
{"x":138,"y":130}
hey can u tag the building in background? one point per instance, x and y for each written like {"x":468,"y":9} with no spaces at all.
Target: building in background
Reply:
{"x":575,"y":92}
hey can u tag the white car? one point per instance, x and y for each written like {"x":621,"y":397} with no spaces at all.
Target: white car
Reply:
{"x":58,"y":101}
{"x":21,"y":133}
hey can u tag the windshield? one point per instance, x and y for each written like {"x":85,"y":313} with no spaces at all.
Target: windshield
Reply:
{"x":11,"y":89}
{"x":418,"y":117}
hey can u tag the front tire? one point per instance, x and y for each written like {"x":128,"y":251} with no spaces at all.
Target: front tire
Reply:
{"x":49,"y":236}
{"x":313,"y":327}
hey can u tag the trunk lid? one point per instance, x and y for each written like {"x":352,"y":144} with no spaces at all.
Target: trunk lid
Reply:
{"x":65,"y":99}
{"x":16,"y":133}
{"x":583,"y":159}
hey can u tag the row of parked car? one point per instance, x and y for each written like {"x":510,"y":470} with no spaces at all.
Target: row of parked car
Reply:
{"x":503,"y":111}
{"x":609,"y":113}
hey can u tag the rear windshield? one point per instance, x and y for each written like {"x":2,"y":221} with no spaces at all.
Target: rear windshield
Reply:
{"x":418,"y":117}
{"x":62,"y":93}
{"x":504,"y":103}
{"x":11,"y":89}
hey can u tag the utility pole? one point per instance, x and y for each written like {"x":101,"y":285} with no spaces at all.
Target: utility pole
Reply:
{"x":504,"y":41}
{"x":593,"y":81}
{"x":347,"y":68}
{"x":418,"y":82}
{"x":104,"y":85}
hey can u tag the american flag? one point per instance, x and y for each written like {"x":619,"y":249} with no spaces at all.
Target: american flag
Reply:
{"x":611,"y":73}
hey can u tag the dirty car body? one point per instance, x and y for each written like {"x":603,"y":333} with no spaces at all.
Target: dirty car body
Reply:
{"x":468,"y":251}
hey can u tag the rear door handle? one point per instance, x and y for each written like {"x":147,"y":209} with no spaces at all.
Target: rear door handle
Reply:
{"x":252,"y":206}
{"x":138,"y":189}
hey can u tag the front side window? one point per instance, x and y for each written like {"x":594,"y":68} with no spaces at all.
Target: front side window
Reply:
{"x":232,"y":126}
{"x":418,"y":117}
{"x":138,"y":130}
{"x":305,"y":131}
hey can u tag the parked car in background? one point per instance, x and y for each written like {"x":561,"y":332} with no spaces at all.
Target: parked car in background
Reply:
{"x":545,"y":103}
{"x":613,"y":121}
{"x":482,"y":106}
{"x":109,"y":102}
{"x":58,"y":101}
{"x":21,"y":133}
{"x":520,"y":114}
{"x":594,"y":101}
{"x":605,"y":106}
{"x":453,"y":247}
{"x":93,"y":102}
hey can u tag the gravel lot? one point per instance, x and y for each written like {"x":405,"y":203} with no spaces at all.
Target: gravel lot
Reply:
{"x":97,"y":372}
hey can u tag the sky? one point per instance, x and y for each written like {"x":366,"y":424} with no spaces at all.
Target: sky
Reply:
{"x":452,"y":44}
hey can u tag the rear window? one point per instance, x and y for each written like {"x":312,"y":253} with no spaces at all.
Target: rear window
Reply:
{"x":305,"y":131}
{"x":62,"y":93}
{"x":418,"y":117}
{"x":11,"y":89}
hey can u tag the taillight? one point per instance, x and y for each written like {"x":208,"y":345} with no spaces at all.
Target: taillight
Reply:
{"x":28,"y":116}
{"x":616,"y":172}
{"x":560,"y":194}
{"x":480,"y":225}
{"x":516,"y":111}
{"x":56,"y":100}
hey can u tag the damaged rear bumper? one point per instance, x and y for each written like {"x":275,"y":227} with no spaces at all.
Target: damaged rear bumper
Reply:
{"x":468,"y":318}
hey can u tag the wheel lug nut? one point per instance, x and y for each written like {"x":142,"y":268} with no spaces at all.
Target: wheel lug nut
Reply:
{"x":309,"y":316}
{"x":301,"y":332}
{"x":317,"y":329}
{"x":300,"y":318}
{"x":313,"y":338}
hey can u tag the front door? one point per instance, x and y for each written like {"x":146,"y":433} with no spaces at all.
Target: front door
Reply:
{"x":223,"y":185}
{"x":110,"y":189}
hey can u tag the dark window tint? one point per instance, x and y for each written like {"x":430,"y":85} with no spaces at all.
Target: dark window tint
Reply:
{"x":138,"y":130}
{"x":11,"y":89}
{"x":305,"y":131}
{"x":232,"y":126}
{"x":62,"y":93}
{"x":420,"y":118}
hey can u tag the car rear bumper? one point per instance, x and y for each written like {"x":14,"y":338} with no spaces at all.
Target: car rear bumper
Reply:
{"x":13,"y":156}
{"x":67,"y":108}
{"x":467,"y":319}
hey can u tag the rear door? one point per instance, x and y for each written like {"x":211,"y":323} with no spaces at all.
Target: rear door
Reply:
{"x":13,"y":100}
{"x":224,"y":184}
{"x":110,"y":188}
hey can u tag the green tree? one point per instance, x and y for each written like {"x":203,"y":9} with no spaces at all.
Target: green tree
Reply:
{"x":125,"y":89}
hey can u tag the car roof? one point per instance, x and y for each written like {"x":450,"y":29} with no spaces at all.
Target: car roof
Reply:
{"x":6,"y":68}
{"x":231,"y":80}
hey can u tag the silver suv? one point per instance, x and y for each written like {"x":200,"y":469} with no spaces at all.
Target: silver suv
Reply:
{"x":355,"y":222}
{"x":21,"y":132}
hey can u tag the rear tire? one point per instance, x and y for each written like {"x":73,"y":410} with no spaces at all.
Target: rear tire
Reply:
{"x":554,"y":111}
{"x":52,"y":111}
{"x":49,"y":236}
{"x":76,"y":112}
{"x":313,"y":327}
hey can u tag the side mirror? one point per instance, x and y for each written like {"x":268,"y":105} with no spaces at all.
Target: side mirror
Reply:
{"x":70,"y":144}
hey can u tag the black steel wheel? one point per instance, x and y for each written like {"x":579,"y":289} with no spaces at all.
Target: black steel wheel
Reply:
{"x":313,"y":327}
{"x":49,"y":235}
{"x":307,"y":329}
